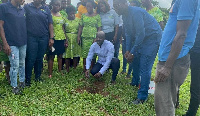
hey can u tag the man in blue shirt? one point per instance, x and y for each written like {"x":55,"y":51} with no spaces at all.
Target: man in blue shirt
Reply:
{"x":147,"y":34}
{"x":105,"y":52}
{"x":174,"y":59}
{"x":14,"y":38}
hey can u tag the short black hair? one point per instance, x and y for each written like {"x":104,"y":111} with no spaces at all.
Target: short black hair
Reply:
{"x":70,"y":8}
{"x":106,"y":5}
{"x":92,"y":2}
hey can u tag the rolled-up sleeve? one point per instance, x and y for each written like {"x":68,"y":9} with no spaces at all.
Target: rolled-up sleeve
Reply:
{"x":2,"y":13}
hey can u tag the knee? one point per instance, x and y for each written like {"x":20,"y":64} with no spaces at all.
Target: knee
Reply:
{"x":116,"y":61}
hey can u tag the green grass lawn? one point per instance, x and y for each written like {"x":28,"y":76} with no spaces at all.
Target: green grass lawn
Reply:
{"x":71,"y":94}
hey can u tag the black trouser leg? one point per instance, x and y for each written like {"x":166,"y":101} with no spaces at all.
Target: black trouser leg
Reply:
{"x":195,"y":84}
{"x":115,"y":65}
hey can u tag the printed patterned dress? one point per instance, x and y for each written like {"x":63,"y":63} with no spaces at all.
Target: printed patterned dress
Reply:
{"x":156,"y":13}
{"x":73,"y":49}
{"x":90,"y":25}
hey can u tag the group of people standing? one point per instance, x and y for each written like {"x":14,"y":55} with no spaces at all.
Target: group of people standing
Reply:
{"x":96,"y":30}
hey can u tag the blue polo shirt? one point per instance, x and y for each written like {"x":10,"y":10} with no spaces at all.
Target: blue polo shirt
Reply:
{"x":38,"y":20}
{"x":14,"y":24}
{"x":141,"y":26}
{"x":181,"y":10}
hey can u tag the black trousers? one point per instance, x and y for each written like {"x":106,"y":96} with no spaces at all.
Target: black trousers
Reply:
{"x":115,"y":65}
{"x":195,"y":84}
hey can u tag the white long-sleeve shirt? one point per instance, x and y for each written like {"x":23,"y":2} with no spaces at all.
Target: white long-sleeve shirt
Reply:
{"x":105,"y":53}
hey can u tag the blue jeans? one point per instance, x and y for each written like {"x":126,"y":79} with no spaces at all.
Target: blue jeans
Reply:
{"x":114,"y":65}
{"x":143,"y":63}
{"x":117,"y":43}
{"x":36,"y":48}
{"x":17,"y":64}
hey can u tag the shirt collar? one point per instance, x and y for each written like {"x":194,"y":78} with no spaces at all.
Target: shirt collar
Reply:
{"x":10,"y":5}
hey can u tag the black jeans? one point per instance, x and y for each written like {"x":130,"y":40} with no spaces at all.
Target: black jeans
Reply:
{"x":115,"y":65}
{"x":195,"y":84}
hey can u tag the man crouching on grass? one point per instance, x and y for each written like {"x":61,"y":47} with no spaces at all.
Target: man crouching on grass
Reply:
{"x":106,"y":60}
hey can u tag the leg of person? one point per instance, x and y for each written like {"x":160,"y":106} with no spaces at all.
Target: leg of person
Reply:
{"x":59,"y":62}
{"x":7,"y":70}
{"x":130,"y":69}
{"x":166,"y":92}
{"x":136,"y":72}
{"x":96,"y":68}
{"x":22,"y":56}
{"x":117,"y":43}
{"x":124,"y":59}
{"x":42,"y":46}
{"x":115,"y":65}
{"x":195,"y":85}
{"x":31,"y":54}
{"x":84,"y":64}
{"x":50,"y":65}
{"x":14,"y":68}
{"x":146,"y":64}
{"x":75,"y":62}
{"x":67,"y":63}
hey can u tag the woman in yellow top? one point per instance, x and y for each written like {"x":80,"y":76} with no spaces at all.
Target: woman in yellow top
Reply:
{"x":60,"y":39}
{"x":82,"y":9}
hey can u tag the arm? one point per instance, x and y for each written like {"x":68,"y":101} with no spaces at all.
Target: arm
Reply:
{"x":108,"y":60}
{"x":177,"y":44}
{"x":6,"y":47}
{"x":89,"y":57}
{"x":140,"y":32}
{"x":116,"y":31}
{"x":66,"y":39}
{"x":51,"y":33}
{"x":79,"y":34}
{"x":161,"y":25}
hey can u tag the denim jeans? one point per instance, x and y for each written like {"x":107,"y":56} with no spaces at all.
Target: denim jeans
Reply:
{"x":36,"y":48}
{"x":114,"y":65}
{"x":117,"y":43}
{"x":17,"y":64}
{"x":195,"y":84}
{"x":143,"y":62}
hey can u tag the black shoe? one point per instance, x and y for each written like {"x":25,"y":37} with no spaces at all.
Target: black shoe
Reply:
{"x":132,"y":85}
{"x":16,"y":91}
{"x":21,"y":85}
{"x":112,"y":82}
{"x":138,"y":101}
{"x":28,"y":84}
{"x":38,"y":80}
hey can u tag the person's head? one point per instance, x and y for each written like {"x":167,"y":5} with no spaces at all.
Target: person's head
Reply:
{"x":19,"y":2}
{"x":100,"y":38}
{"x":71,"y":11}
{"x":4,"y":1}
{"x":78,"y":4}
{"x":69,"y":2}
{"x":83,"y":2}
{"x":63,"y":4}
{"x":121,"y":6}
{"x":146,"y":3}
{"x":90,"y":5}
{"x":103,"y":6}
{"x":37,"y":2}
{"x":135,"y":3}
{"x":56,"y":5}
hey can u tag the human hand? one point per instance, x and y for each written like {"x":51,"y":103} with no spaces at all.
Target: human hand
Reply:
{"x":126,"y":54}
{"x":114,"y":39}
{"x":66,"y":44}
{"x":87,"y":73}
{"x":7,"y":49}
{"x":51,"y":42}
{"x":162,"y":74}
{"x":79,"y":41}
{"x":98,"y":75}
{"x":130,"y":58}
